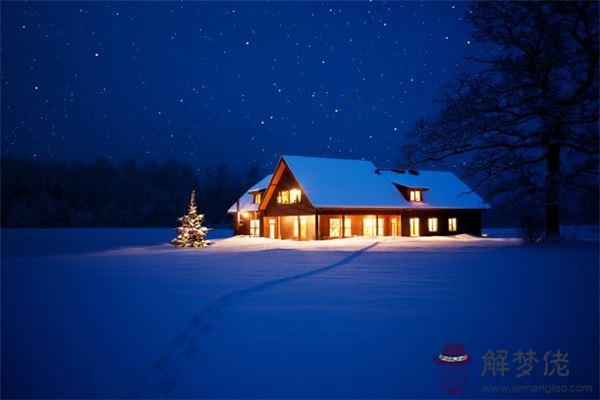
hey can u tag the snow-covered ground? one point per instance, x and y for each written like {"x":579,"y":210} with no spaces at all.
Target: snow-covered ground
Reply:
{"x":119,"y":313}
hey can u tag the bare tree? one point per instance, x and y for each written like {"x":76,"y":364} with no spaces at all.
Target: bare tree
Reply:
{"x":529,"y":111}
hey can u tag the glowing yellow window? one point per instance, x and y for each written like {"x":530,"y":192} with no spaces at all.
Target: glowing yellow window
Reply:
{"x":335,"y":227}
{"x":369,"y":225}
{"x":255,"y":227}
{"x":415,"y":195}
{"x":414,"y":226}
{"x":380,"y":226}
{"x":432,"y":223}
{"x":272,"y":228}
{"x":452,"y":224}
{"x":257,"y":197}
{"x":300,"y":229}
{"x":295,"y":195}
{"x":347,"y":226}
{"x":394,"y":226}
{"x":283,"y":197}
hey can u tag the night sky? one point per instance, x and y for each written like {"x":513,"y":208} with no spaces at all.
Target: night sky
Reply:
{"x":231,"y":82}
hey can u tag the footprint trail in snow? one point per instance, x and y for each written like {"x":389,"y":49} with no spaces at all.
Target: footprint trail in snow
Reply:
{"x":161,"y":377}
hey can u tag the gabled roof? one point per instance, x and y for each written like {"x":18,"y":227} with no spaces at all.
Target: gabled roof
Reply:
{"x":246,"y":201}
{"x":343,"y":183}
{"x":262,"y":184}
{"x":330,"y":182}
{"x":446,"y":190}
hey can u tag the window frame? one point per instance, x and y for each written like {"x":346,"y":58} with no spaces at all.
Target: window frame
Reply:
{"x":394,"y":226}
{"x":432,"y":224}
{"x":289,"y":196}
{"x":371,"y":225}
{"x":453,"y":224}
{"x":415,"y":195}
{"x":414,"y":229}
{"x":347,"y":226}
{"x":295,"y":196}
{"x":255,"y":227}
{"x":338,"y":220}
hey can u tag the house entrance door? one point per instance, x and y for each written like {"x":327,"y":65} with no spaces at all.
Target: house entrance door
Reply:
{"x":272,"y":228}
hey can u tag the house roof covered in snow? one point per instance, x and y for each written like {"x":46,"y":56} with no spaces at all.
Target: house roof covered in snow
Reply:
{"x":343,"y":183}
{"x":445,"y":190}
{"x":330,"y":182}
{"x":246,"y":201}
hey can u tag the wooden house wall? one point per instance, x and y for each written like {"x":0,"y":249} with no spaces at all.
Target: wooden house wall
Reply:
{"x":287,"y":182}
{"x":357,"y":222}
{"x":468,"y":221}
{"x":243,"y":226}
{"x":284,"y":227}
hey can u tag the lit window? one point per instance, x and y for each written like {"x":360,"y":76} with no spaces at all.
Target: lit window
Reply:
{"x":394,"y":226}
{"x":380,"y":226}
{"x":415,"y":195}
{"x":414,"y":226}
{"x":255,"y":227}
{"x":289,"y":196}
{"x":369,"y":225}
{"x":257,"y":198}
{"x":283,"y":197}
{"x":347,"y":226}
{"x":303,"y":225}
{"x":335,"y":227}
{"x":272,"y":228}
{"x":433,"y":224}
{"x":452,"y":224}
{"x":295,"y":195}
{"x":300,"y":229}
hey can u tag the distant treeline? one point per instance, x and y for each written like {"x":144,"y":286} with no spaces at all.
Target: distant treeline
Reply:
{"x":101,"y":193}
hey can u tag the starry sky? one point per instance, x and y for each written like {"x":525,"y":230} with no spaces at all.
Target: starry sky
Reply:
{"x":223,"y":82}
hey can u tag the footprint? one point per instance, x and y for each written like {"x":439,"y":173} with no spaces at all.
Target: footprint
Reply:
{"x":161,"y":364}
{"x":226,"y":302}
{"x":180,"y":339}
{"x":206,"y":329}
{"x":189,"y":352}
{"x":169,"y":386}
{"x":214,"y":311}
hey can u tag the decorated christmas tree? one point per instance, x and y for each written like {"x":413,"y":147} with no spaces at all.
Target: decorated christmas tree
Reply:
{"x":191,"y":233}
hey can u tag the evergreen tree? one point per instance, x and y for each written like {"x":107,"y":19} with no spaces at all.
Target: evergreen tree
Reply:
{"x":191,"y":233}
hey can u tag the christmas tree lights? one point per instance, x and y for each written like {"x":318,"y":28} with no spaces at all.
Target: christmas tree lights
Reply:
{"x":191,"y":233}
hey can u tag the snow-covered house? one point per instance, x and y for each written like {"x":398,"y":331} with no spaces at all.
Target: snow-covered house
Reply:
{"x":320,"y":198}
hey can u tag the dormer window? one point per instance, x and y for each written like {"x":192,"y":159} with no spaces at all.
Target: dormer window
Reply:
{"x":415,"y":195}
{"x":289,"y":196}
{"x":257,"y":198}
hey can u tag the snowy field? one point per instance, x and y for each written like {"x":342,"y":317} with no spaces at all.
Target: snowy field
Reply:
{"x":119,"y":313}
